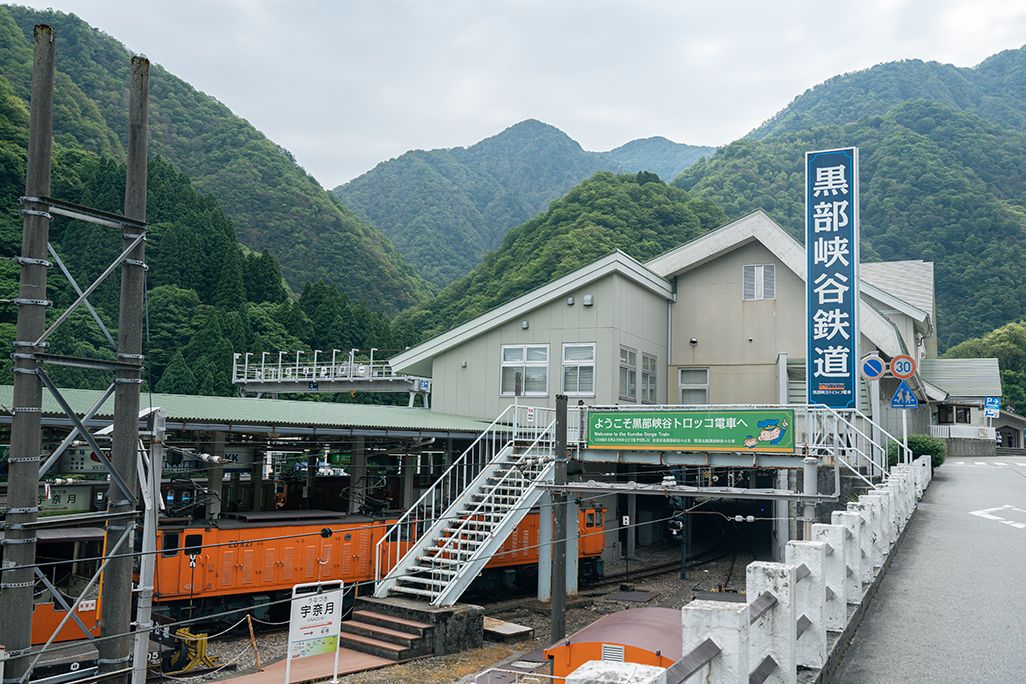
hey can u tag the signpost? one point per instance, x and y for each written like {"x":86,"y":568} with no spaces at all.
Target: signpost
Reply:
{"x":755,"y":430}
{"x":315,"y":622}
{"x":832,"y":277}
{"x":873,"y":367}
{"x":903,"y":366}
{"x":992,"y":407}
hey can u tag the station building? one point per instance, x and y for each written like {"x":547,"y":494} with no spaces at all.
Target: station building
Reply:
{"x":719,"y":320}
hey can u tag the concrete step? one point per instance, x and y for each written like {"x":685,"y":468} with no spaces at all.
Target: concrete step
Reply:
{"x":394,"y":636}
{"x":391,"y":621}
{"x":382,"y":649}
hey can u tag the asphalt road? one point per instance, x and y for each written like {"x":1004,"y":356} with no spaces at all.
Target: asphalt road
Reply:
{"x":952,"y":606}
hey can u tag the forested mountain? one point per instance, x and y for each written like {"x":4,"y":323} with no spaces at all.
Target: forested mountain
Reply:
{"x":994,"y":90}
{"x":444,"y":209}
{"x":1008,"y":345}
{"x":936,"y":183}
{"x":207,"y":297}
{"x":275,"y":206}
{"x":636,"y":213}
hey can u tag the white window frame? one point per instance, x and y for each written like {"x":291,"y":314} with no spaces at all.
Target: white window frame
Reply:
{"x":579,"y":364}
{"x":759,"y":274}
{"x":524,"y":364}
{"x":647,"y":376}
{"x":681,"y":385}
{"x":627,"y":369}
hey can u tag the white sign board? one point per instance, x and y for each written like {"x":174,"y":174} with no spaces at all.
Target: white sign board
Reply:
{"x":315,"y":622}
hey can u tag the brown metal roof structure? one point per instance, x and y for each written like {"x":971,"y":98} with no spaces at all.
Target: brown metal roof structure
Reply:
{"x":653,"y":629}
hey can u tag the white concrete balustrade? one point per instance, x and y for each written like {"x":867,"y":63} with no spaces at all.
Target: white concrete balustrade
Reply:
{"x":794,"y":606}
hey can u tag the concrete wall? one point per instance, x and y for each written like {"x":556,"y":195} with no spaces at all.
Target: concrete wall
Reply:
{"x":466,"y":379}
{"x":737,"y":340}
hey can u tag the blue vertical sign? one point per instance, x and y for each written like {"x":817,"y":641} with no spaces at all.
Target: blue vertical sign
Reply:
{"x":832,"y":277}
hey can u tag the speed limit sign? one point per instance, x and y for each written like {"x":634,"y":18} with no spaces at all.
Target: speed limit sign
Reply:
{"x":903,"y":366}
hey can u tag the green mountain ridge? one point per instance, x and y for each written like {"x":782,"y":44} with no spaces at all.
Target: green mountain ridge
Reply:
{"x":275,"y":205}
{"x":444,"y":209}
{"x":936,"y":183}
{"x":636,"y":213}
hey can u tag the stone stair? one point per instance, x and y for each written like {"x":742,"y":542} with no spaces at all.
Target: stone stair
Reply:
{"x":386,"y":636}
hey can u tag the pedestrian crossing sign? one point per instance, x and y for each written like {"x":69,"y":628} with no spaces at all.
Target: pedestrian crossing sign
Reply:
{"x":904,"y":397}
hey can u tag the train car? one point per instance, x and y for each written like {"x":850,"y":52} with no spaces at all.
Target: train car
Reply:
{"x":67,"y":556}
{"x":646,"y":636}
{"x":251,"y":560}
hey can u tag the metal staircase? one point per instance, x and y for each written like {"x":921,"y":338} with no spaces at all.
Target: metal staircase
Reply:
{"x":443,"y":542}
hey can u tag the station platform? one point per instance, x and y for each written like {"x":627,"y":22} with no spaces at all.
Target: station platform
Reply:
{"x":316,"y":668}
{"x":950,"y":607}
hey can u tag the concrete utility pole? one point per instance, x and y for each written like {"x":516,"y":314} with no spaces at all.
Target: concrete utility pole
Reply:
{"x":115,"y":654}
{"x":16,"y":585}
{"x":558,"y":623}
{"x":148,"y":561}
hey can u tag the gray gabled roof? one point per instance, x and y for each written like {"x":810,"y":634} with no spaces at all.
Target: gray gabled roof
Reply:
{"x":758,"y":226}
{"x":910,"y":281}
{"x":963,"y":377}
{"x":418,"y":359}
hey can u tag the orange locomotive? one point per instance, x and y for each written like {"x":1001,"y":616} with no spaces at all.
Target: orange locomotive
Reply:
{"x":252,"y":560}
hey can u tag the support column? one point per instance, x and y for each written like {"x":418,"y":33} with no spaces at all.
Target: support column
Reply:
{"x":810,"y":487}
{"x":559,"y":528}
{"x":215,"y":478}
{"x":632,"y":528}
{"x":409,"y":466}
{"x":16,"y":586}
{"x":572,"y":543}
{"x":256,"y":479}
{"x":781,"y":520}
{"x":116,"y":653}
{"x":357,"y":475}
{"x":545,"y":547}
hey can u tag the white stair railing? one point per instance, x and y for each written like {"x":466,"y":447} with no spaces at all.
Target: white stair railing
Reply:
{"x":524,"y":471}
{"x":402,"y":539}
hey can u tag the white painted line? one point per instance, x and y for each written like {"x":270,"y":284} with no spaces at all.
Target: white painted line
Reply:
{"x":980,"y":462}
{"x":988,"y":514}
{"x":963,"y":463}
{"x":1020,"y":463}
{"x":998,"y":463}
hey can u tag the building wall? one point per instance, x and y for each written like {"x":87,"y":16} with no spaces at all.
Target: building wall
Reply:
{"x":466,"y":379}
{"x":737,"y":340}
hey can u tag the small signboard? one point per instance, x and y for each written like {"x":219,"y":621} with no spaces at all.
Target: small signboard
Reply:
{"x":903,"y":366}
{"x":755,"y":430}
{"x":992,"y":407}
{"x":872,"y":367}
{"x":904,"y":397}
{"x":315,"y":622}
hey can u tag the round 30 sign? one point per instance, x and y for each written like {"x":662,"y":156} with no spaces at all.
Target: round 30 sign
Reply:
{"x":903,"y":366}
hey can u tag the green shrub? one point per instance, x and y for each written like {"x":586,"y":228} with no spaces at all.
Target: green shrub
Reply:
{"x":920,"y":446}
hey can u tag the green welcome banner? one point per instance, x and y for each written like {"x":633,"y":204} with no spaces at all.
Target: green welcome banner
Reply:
{"x":755,"y":430}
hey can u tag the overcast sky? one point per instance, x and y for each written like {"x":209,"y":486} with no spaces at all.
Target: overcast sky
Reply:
{"x":345,"y":85}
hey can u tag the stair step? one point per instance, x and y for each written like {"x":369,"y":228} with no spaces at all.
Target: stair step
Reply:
{"x":478,"y":533}
{"x":366,"y":629}
{"x":437,"y":559}
{"x":383,"y":649}
{"x":461,"y":552}
{"x":416,"y":579}
{"x":405,"y":624}
{"x":422,"y":568}
{"x":416,"y":592}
